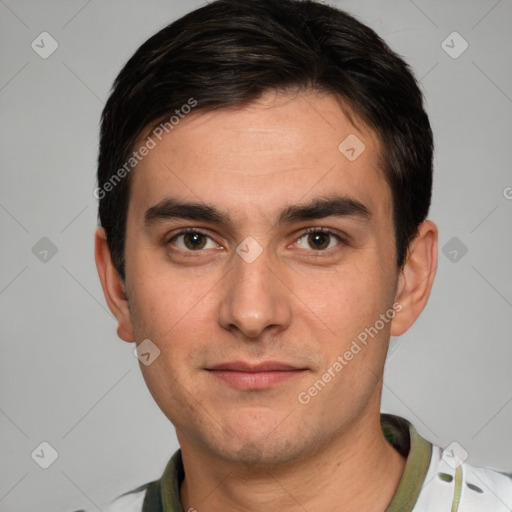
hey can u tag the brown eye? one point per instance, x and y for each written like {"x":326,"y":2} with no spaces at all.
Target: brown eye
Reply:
{"x":319,"y":240}
{"x":194,"y":241}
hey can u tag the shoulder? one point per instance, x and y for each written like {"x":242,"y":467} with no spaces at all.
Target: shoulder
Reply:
{"x":130,"y":501}
{"x":486,"y":487}
{"x":149,"y":496}
{"x":462,"y":486}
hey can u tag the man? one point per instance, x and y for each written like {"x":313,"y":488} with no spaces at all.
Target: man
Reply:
{"x":264,"y":178}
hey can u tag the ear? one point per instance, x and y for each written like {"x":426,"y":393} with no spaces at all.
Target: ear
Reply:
{"x":416,"y":278}
{"x":113,"y":286}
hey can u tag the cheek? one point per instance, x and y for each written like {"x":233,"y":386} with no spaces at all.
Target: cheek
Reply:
{"x":346,"y":299}
{"x":175,"y":310}
{"x":160,"y":295}
{"x":165,"y":310}
{"x":174,"y":318}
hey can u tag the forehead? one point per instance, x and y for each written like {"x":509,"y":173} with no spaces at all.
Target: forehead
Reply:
{"x":282,"y":149}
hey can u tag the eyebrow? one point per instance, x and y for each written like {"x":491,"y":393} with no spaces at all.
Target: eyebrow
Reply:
{"x":318,"y":208}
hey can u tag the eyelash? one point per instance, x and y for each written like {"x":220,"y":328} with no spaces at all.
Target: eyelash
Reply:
{"x":307,"y":231}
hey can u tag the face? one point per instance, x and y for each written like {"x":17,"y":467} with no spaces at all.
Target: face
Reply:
{"x":257,"y":253}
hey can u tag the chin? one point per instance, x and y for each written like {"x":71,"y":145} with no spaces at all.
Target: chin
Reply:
{"x":261,"y":443}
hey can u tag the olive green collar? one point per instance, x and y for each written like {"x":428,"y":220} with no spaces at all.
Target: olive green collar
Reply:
{"x":419,"y":454}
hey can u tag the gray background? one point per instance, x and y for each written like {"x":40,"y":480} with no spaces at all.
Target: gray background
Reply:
{"x":66,"y":379}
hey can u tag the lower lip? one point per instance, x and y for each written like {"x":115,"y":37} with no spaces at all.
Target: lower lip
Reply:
{"x":255,"y":380}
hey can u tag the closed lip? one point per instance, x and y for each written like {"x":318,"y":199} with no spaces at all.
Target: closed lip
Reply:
{"x":266,"y":366}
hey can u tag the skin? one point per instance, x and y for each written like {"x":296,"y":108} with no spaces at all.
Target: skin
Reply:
{"x":295,"y":303}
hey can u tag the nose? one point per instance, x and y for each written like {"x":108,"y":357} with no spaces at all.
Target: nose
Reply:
{"x":254,"y":298}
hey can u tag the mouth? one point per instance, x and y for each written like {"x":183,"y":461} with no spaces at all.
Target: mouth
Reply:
{"x":247,"y":376}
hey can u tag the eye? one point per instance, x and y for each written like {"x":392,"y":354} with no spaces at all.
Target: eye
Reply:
{"x":192,"y":240}
{"x":319,"y":239}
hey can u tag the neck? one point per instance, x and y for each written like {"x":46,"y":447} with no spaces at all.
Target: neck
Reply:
{"x":358,"y":470}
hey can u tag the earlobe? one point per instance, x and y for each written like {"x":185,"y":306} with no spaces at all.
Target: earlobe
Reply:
{"x":416,"y":277}
{"x":124,"y":334}
{"x":113,"y":287}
